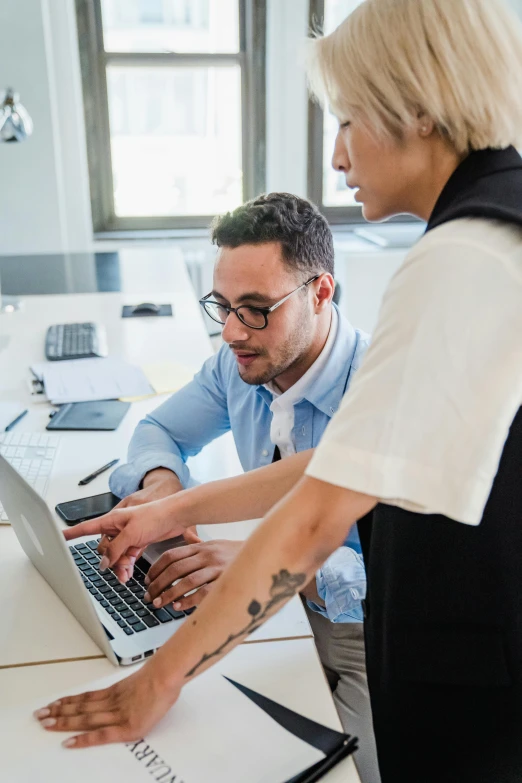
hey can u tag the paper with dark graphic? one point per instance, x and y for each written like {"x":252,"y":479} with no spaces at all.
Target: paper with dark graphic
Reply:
{"x":213,"y":733}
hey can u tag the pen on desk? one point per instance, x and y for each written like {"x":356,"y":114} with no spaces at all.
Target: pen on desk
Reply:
{"x":92,"y":476}
{"x":15,"y":421}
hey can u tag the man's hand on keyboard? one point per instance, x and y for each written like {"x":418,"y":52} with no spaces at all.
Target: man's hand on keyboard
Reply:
{"x":127,"y":531}
{"x":196,"y":566}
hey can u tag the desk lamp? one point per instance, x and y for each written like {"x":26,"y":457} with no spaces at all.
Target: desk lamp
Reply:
{"x":15,"y":125}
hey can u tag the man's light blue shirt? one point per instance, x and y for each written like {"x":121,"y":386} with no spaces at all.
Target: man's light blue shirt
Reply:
{"x":218,"y":400}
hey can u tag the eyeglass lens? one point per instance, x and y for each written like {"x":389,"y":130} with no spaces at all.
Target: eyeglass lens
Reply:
{"x":249,"y":315}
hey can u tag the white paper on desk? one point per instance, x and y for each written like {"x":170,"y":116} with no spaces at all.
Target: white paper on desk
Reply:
{"x":214,"y":733}
{"x":83,"y":380}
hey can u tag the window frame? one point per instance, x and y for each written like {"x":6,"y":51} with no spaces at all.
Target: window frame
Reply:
{"x":94,"y":61}
{"x":334,"y":215}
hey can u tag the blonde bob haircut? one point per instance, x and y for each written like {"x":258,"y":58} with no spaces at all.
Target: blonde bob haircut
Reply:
{"x":458,"y":62}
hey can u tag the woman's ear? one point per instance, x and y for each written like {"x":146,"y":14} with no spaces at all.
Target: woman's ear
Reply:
{"x":425,"y":125}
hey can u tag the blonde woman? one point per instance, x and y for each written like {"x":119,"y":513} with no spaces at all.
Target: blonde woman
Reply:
{"x":428,"y":94}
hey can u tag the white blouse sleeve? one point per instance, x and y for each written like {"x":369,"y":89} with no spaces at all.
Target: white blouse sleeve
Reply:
{"x":424,"y":423}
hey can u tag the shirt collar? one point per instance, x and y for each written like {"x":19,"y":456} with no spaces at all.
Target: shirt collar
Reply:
{"x":326,"y":391}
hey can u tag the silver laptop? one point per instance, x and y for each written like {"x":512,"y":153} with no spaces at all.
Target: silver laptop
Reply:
{"x":114,"y":615}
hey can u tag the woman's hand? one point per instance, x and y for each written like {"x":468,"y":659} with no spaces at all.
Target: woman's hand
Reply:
{"x":127,"y":531}
{"x":159,"y":483}
{"x":123,"y":712}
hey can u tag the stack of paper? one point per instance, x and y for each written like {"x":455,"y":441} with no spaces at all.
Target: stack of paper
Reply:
{"x":85,"y":380}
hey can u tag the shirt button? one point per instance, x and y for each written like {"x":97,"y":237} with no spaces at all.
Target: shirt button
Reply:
{"x":264,"y":453}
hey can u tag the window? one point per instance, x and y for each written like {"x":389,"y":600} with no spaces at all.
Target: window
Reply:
{"x":326,"y":187}
{"x":174,"y":106}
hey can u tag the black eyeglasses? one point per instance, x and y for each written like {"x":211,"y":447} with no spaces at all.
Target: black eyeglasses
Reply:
{"x":253,"y":317}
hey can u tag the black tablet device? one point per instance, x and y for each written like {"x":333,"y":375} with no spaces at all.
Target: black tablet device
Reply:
{"x":99,"y":415}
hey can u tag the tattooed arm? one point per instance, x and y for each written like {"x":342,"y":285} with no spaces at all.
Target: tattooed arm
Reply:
{"x":279,"y":558}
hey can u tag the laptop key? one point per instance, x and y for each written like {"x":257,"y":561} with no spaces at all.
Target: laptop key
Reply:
{"x":125,"y":594}
{"x":110,"y":609}
{"x":99,"y":597}
{"x":120,"y":606}
{"x":92,"y":544}
{"x":162,"y":615}
{"x":119,"y":588}
{"x":142,"y":612}
{"x":126,"y":614}
{"x":139,"y":627}
{"x":114,"y":600}
{"x":128,"y":630}
{"x":98,"y":583}
{"x":105,"y":603}
{"x":132,"y":601}
{"x":150,"y":621}
{"x":84,"y":566}
{"x":105,"y":589}
{"x":122,"y":623}
{"x":177,"y":615}
{"x":133,"y":620}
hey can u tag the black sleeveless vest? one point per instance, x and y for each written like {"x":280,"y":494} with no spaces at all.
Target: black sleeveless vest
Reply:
{"x":443,"y":613}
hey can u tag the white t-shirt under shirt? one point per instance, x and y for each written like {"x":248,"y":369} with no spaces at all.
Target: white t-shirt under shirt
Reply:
{"x":282,"y":406}
{"x":424,"y":422}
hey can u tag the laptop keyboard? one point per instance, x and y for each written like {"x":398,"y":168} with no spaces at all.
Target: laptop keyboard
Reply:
{"x":124,"y":603}
{"x":32,"y":454}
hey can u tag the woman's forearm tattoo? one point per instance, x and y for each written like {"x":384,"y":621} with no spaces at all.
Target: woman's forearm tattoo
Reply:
{"x":284,"y":586}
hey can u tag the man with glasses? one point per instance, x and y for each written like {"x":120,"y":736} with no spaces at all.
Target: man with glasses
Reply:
{"x":287,"y":359}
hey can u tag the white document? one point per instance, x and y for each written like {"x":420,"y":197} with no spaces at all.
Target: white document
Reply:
{"x":84,"y":380}
{"x":8,"y":413}
{"x":213,"y":733}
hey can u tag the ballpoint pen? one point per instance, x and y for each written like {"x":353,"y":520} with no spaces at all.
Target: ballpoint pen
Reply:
{"x":92,"y":476}
{"x":15,"y":421}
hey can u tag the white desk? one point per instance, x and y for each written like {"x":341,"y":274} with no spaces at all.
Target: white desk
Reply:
{"x":287,"y":672}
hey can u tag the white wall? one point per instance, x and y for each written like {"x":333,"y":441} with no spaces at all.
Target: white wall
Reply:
{"x":44,"y":197}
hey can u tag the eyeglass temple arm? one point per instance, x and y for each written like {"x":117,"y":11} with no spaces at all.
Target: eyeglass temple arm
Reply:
{"x":282,"y":301}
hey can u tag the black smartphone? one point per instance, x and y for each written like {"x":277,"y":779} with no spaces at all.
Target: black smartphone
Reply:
{"x":75,"y":511}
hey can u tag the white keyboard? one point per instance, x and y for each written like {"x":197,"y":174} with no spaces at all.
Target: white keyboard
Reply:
{"x":32,"y":455}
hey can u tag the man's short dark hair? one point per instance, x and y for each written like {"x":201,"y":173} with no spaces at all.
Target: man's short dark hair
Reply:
{"x":303,"y":233}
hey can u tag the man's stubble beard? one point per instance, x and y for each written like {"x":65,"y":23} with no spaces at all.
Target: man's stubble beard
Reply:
{"x":297,"y":346}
